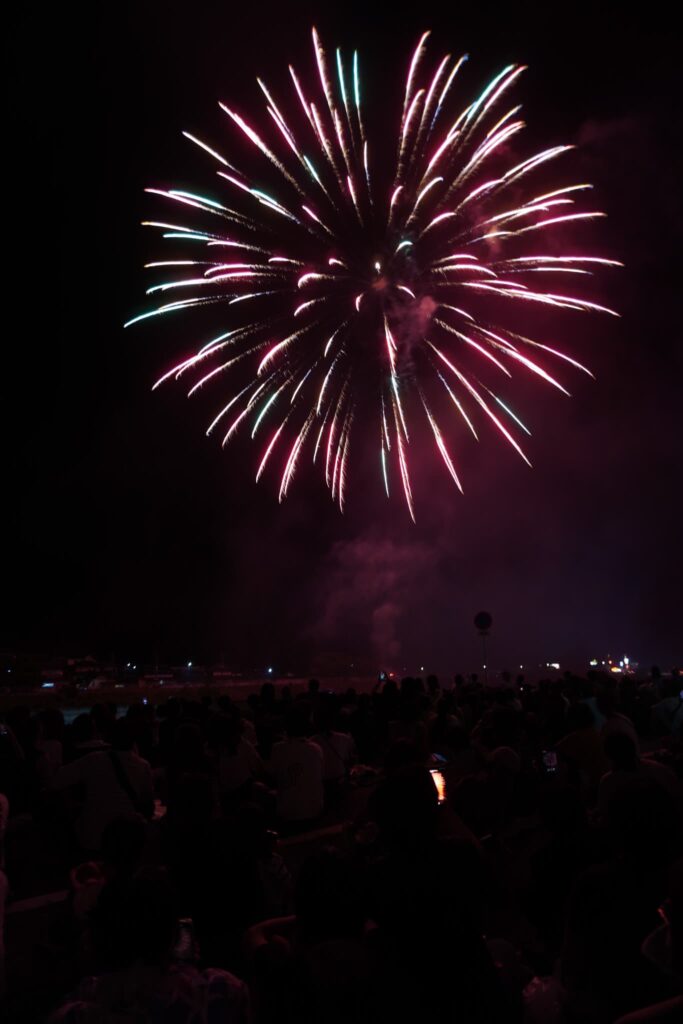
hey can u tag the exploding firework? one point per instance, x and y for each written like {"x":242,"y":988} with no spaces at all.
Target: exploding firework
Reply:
{"x":354,"y":307}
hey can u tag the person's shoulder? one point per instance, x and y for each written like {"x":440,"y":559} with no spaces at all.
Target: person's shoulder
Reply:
{"x":73,"y":1011}
{"x":610,"y":783}
{"x":79,"y":1006}
{"x":343,"y":740}
{"x":89,"y":760}
{"x":135,"y":759}
{"x":182,"y":989}
{"x":657,"y":769}
{"x":218,"y":981}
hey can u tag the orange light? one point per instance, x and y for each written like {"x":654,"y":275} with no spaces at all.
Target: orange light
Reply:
{"x":440,"y":784}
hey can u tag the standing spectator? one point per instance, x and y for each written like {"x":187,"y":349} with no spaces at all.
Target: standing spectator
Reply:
{"x":432,"y":958}
{"x":238,"y":761}
{"x":338,"y":748}
{"x":581,"y":748}
{"x":615,"y":721}
{"x":297,"y":765}
{"x":666,"y":713}
{"x":117,"y":782}
{"x":49,"y":744}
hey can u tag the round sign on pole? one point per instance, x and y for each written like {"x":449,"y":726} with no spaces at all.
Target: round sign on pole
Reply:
{"x":483,"y":621}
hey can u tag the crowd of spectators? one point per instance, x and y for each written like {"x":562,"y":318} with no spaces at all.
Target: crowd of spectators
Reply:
{"x":456,"y":853}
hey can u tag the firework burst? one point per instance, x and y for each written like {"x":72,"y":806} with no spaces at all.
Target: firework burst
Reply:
{"x":354,"y":306}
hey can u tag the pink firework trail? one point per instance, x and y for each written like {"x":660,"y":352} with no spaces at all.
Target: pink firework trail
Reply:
{"x":347,"y":294}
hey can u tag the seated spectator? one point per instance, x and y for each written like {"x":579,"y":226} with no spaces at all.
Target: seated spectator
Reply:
{"x":316,"y":965}
{"x":123,"y":842}
{"x":134,"y":931}
{"x":116,"y":783}
{"x":664,"y":948}
{"x":256,"y":861}
{"x":613,"y":907}
{"x":297,"y":766}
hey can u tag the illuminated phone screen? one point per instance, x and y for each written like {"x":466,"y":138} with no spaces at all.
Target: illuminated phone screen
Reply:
{"x":440,"y":784}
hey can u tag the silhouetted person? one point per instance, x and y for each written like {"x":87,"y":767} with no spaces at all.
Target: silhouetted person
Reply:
{"x":630,"y":772}
{"x":434,"y":964}
{"x":115,"y":782}
{"x":582,"y":748}
{"x":134,"y":931}
{"x":316,"y":965}
{"x":296,"y":763}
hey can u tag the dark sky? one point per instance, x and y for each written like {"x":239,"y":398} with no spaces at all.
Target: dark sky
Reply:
{"x":129,"y":531}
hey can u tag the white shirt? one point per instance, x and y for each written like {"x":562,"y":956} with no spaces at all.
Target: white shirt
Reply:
{"x":297,"y":765}
{"x":105,"y":799}
{"x":338,"y":753}
{"x":236,"y":769}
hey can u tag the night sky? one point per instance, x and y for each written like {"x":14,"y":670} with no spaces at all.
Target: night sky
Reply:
{"x":130,"y":532}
